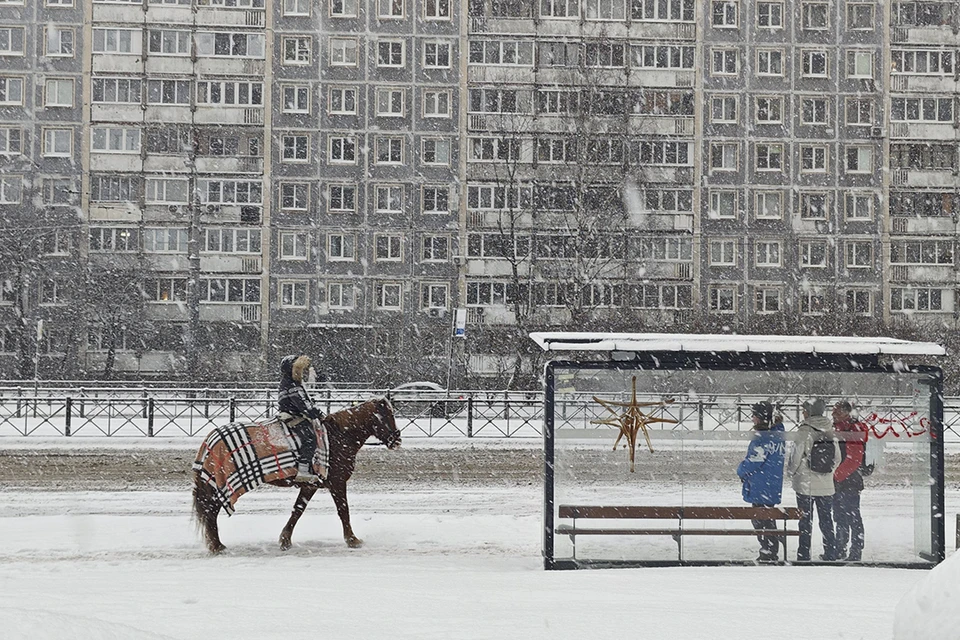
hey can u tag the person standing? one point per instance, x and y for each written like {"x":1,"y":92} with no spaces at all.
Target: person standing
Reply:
{"x":761,"y":473}
{"x":811,"y":468}
{"x":848,"y":482}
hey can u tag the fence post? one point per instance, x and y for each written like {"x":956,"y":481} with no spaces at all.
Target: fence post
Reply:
{"x":470,"y":416}
{"x":700,"y":415}
{"x":958,"y":532}
{"x":83,"y":395}
{"x":145,"y":402}
{"x":149,"y":410}
{"x":233,"y":409}
{"x":19,"y":402}
{"x":69,"y":411}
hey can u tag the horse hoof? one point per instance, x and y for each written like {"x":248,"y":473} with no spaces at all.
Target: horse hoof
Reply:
{"x":285,"y":545}
{"x":354,"y":543}
{"x":216,"y":549}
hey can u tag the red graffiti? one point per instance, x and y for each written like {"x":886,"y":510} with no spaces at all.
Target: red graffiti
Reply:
{"x":881,"y":427}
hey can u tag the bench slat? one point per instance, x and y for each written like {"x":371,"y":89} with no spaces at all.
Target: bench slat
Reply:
{"x":568,"y":530}
{"x":677,"y":513}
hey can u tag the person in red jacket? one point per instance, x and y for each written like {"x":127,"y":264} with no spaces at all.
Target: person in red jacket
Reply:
{"x":848,"y":482}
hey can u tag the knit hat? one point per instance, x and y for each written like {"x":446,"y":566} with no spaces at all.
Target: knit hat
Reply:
{"x":763,"y":410}
{"x":814,"y":407}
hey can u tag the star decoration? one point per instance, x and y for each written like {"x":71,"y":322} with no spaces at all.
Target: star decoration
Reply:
{"x":631,"y":420}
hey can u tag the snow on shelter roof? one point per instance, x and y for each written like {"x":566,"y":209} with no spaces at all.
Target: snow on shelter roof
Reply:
{"x":716,"y":343}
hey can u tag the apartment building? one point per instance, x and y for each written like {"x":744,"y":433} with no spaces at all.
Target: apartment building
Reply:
{"x":192,"y":187}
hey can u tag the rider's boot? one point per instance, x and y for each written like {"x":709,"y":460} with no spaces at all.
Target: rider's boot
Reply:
{"x":305,"y":475}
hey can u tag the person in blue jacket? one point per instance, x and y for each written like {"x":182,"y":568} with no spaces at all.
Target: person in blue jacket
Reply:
{"x":761,"y":473}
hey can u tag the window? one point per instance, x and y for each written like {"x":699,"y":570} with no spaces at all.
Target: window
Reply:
{"x":814,"y":15}
{"x":390,"y":102}
{"x":232,"y":290}
{"x":390,"y":53}
{"x":767,"y":253}
{"x":178,"y":92}
{"x":916,"y":299}
{"x":343,"y":52}
{"x":341,"y":198}
{"x":494,"y":101}
{"x":928,"y":156}
{"x":668,"y":199}
{"x":58,"y":93}
{"x":11,"y":141}
{"x":858,"y":206}
{"x":723,"y":109}
{"x":343,"y":150}
{"x":769,"y":157}
{"x":724,"y":13}
{"x":723,"y":253}
{"x":859,"y":111}
{"x":766,"y":300}
{"x":858,"y":302}
{"x":723,"y":300}
{"x":770,"y":62}
{"x":341,"y":247}
{"x":167,"y":190}
{"x":122,"y":41}
{"x":436,"y":55}
{"x":814,"y":206}
{"x":501,"y":52}
{"x":233,"y":45}
{"x":389,"y":150}
{"x":813,"y":110}
{"x":812,"y":301}
{"x":343,"y":8}
{"x":565,"y":102}
{"x":435,"y":249}
{"x":725,"y":62}
{"x":224,"y":146}
{"x":921,"y":252}
{"x":296,"y":7}
{"x":813,"y":158}
{"x":230,"y":192}
{"x":814,"y":64}
{"x":165,"y":42}
{"x":165,"y":240}
{"x":605,"y":9}
{"x":922,"y":14}
{"x":723,"y":204}
{"x":296,"y":98}
{"x":52,"y":293}
{"x":436,"y":200}
{"x":340,"y":295}
{"x":115,"y":139}
{"x":59,"y":242}
{"x":813,"y":254}
{"x":560,"y":150}
{"x":723,"y":156}
{"x":604,"y":55}
{"x":860,"y":16}
{"x":114,"y":189}
{"x":436,"y":104}
{"x":435,"y":151}
{"x":220,"y":240}
{"x":389,"y":198}
{"x":437,"y":9}
{"x":118,"y":239}
{"x":116,"y":90}
{"x":769,"y":110}
{"x":10,"y":189}
{"x":294,"y":196}
{"x":859,"y":254}
{"x":293,"y":245}
{"x":389,"y":295}
{"x":859,"y":159}
{"x":921,"y":109}
{"x":925,"y":62}
{"x":433,"y":296}
{"x":649,"y":56}
{"x":57,"y":143}
{"x":343,"y":100}
{"x":241,"y":94}
{"x":58,"y":42}
{"x":928,"y":204}
{"x":293,"y":294}
{"x":295,"y":148}
{"x":769,"y":205}
{"x":390,"y":8}
{"x":770,"y":15}
{"x":656,"y":153}
{"x":659,"y":10}
{"x":297,"y":50}
{"x":860,"y":64}
{"x":58,"y":191}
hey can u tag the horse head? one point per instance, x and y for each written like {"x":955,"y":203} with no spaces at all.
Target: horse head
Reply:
{"x":385,"y":425}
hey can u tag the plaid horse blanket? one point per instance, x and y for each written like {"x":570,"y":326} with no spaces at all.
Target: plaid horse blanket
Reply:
{"x":236,"y":458}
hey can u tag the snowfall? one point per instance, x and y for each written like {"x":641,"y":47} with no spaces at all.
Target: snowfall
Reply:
{"x":438,"y":562}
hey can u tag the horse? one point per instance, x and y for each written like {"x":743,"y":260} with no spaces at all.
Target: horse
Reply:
{"x":347,"y":431}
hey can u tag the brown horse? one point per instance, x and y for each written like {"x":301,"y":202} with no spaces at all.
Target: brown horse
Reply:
{"x":347,"y":431}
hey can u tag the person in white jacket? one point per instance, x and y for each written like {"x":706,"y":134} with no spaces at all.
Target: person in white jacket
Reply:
{"x":813,"y":488}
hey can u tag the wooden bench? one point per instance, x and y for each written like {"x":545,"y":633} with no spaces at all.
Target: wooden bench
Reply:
{"x":678,"y":517}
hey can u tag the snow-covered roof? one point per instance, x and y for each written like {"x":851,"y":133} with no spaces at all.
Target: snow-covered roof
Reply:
{"x":715,"y":343}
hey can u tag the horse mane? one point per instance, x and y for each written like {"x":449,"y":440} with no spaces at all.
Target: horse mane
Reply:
{"x":348,"y":426}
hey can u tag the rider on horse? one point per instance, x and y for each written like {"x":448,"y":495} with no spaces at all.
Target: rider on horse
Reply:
{"x":299,"y":413}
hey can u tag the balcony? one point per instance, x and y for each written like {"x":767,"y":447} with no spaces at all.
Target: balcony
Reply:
{"x":932,"y":35}
{"x":217,"y":263}
{"x":925,"y":178}
{"x":923,"y":226}
{"x":167,"y":113}
{"x":230,"y":165}
{"x":116,"y":113}
{"x":228,"y":312}
{"x":923,"y":130}
{"x":923,"y":273}
{"x":117,"y":13}
{"x":218,"y":16}
{"x":115,"y":162}
{"x":166,"y":311}
{"x":166,"y":262}
{"x":900,"y":83}
{"x":218,"y":114}
{"x":661,"y":221}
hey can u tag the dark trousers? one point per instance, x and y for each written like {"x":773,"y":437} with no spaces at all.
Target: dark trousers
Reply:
{"x":825,"y":515}
{"x":769,"y":545}
{"x":846,"y":508}
{"x":308,"y":441}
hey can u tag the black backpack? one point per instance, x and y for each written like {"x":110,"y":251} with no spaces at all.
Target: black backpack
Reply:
{"x":822,"y":455}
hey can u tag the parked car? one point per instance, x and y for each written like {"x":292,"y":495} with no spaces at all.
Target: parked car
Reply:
{"x":424,"y":399}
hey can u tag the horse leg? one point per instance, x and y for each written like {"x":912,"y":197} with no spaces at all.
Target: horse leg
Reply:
{"x":303,"y":499}
{"x":206,"y":507}
{"x":338,"y":491}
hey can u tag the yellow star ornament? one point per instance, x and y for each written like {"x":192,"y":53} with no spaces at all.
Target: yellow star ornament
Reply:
{"x":631,"y":420}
